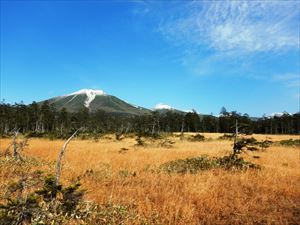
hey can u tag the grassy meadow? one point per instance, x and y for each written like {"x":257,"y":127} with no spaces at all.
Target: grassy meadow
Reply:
{"x":119,"y":172}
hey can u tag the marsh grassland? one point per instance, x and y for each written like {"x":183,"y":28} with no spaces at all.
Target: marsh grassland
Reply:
{"x":119,"y":172}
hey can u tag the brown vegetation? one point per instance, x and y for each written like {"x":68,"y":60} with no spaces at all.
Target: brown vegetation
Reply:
{"x":123,"y":173}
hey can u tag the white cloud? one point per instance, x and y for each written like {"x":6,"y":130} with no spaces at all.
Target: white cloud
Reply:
{"x":289,"y":79}
{"x":286,"y":76}
{"x":243,"y":26}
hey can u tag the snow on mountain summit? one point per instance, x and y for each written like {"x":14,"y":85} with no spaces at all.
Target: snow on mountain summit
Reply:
{"x":90,"y":93}
{"x":162,"y":106}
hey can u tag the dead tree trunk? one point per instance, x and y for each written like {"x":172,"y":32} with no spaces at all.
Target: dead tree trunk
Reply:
{"x":127,"y":128}
{"x":15,"y":144}
{"x":235,"y":147}
{"x":182,"y":130}
{"x":236,"y":131}
{"x":61,"y":154}
{"x":153,"y":128}
{"x":17,"y":147}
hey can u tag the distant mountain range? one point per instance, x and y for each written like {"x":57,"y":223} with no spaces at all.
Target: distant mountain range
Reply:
{"x":99,"y":100}
{"x":95,"y":100}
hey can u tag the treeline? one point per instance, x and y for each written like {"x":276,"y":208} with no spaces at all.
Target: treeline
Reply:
{"x":43,"y":119}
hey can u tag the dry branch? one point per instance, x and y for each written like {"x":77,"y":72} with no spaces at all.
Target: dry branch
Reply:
{"x":61,"y":154}
{"x":15,"y":149}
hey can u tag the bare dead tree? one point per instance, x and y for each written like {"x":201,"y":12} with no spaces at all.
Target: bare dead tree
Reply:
{"x":153,"y":128}
{"x":6,"y":152}
{"x":236,"y":148}
{"x":61,"y":154}
{"x":15,"y":144}
{"x":20,"y":147}
{"x":236,"y":131}
{"x":182,"y":130}
{"x":127,"y":128}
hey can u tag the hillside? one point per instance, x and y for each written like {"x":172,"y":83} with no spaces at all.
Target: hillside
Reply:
{"x":95,"y":100}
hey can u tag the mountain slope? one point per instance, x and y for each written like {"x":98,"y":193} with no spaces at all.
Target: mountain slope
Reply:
{"x":95,"y":100}
{"x":164,"y":108}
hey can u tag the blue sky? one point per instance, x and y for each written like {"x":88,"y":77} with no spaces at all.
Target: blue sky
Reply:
{"x":243,"y":55}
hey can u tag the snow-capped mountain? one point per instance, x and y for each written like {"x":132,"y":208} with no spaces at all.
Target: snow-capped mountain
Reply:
{"x":162,"y":106}
{"x":90,"y":93}
{"x":95,"y":100}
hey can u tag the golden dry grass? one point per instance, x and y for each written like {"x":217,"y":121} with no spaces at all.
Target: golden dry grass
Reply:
{"x":268,"y":196}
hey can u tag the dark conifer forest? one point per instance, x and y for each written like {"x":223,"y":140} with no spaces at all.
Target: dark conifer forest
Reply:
{"x":40,"y":119}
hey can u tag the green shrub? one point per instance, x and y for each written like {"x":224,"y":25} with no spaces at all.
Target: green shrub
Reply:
{"x":188,"y":165}
{"x":166,"y":143}
{"x":34,"y":134}
{"x":50,"y":204}
{"x":127,"y":173}
{"x":233,"y":162}
{"x":290,"y":143}
{"x":226,"y":137}
{"x":36,"y":199}
{"x":123,"y":150}
{"x":139,"y":141}
{"x":196,"y":164}
{"x":264,"y":144}
{"x":119,"y":136}
{"x":250,"y":144}
{"x":197,"y":137}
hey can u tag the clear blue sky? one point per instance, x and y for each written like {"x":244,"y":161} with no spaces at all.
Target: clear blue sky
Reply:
{"x":243,"y":55}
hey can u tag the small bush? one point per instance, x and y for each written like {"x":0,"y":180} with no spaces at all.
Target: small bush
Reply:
{"x":106,"y":137}
{"x":56,"y":204}
{"x":50,"y":204}
{"x":197,"y":137}
{"x":148,"y":134}
{"x":251,"y":144}
{"x":166,"y":143}
{"x":290,"y":143}
{"x":119,"y":136}
{"x":127,"y":173}
{"x":233,"y":162}
{"x":264,"y":144}
{"x":196,"y":164}
{"x":139,"y":141}
{"x":226,"y":137}
{"x":252,"y":148}
{"x":188,"y":165}
{"x":123,"y":150}
{"x":84,"y":136}
{"x":34,"y":134}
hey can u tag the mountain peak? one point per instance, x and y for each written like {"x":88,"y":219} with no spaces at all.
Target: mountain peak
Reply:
{"x":163,"y":106}
{"x":90,"y":93}
{"x":95,"y":100}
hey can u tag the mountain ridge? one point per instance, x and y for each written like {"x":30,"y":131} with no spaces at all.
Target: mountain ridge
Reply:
{"x":94,"y":100}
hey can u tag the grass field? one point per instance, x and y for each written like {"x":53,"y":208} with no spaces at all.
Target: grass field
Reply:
{"x":130,"y":176}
